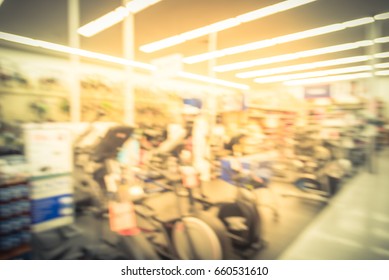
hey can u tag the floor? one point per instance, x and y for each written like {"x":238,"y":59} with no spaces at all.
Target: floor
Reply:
{"x":353,"y":225}
{"x":356,"y":223}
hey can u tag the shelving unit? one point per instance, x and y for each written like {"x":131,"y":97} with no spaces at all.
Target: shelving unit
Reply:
{"x":15,"y":218}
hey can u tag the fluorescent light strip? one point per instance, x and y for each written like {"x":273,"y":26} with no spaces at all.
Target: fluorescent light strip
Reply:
{"x":224,"y":24}
{"x":382,"y":65}
{"x":103,"y":22}
{"x":68,"y":50}
{"x":382,"y":73}
{"x":305,"y":66}
{"x":283,"y":78}
{"x":212,"y":80}
{"x":114,"y":17}
{"x":328,"y":79}
{"x":279,"y":40}
{"x":382,"y":16}
{"x":382,"y":55}
{"x":135,"y":6}
{"x":381,"y":40}
{"x":291,"y":56}
{"x":103,"y":57}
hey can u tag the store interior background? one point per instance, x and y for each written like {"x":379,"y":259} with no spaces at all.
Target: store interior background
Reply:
{"x":47,"y":89}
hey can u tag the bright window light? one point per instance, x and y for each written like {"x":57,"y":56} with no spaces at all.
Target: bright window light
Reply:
{"x":279,"y":40}
{"x":283,"y":78}
{"x":228,"y":23}
{"x":301,"y":67}
{"x":288,"y":57}
{"x":328,"y":79}
{"x":114,"y":17}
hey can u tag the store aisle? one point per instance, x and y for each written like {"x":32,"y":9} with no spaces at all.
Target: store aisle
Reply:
{"x":355,"y":225}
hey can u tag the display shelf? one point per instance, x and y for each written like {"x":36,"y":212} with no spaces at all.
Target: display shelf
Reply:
{"x":15,"y":209}
{"x":34,"y":92}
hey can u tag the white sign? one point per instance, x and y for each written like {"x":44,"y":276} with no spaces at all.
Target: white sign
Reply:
{"x":48,"y":150}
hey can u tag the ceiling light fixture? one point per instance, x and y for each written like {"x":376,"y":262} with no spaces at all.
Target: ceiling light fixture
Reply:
{"x":381,"y":55}
{"x":279,"y":40}
{"x":301,"y":67}
{"x":107,"y":58}
{"x":382,"y":16}
{"x":212,"y":80}
{"x":381,"y":40}
{"x":382,"y":65}
{"x":135,"y":6}
{"x":292,"y":56}
{"x":114,"y":17}
{"x":323,"y":73}
{"x":382,"y":73}
{"x":328,"y":79}
{"x":224,"y":24}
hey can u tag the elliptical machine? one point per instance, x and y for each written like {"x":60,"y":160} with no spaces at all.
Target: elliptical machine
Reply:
{"x":238,"y":220}
{"x":240,"y":216}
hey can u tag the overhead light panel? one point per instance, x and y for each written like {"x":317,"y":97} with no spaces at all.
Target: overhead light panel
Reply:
{"x":381,"y":40}
{"x":279,"y":40}
{"x":211,"y":80}
{"x":135,"y":6}
{"x":103,"y":22}
{"x":328,"y":79}
{"x":114,"y":17}
{"x":292,"y":56}
{"x":69,"y":50}
{"x":382,"y":16}
{"x":107,"y":58}
{"x":225,"y":24}
{"x":382,"y":65}
{"x":301,"y":67}
{"x":282,"y":78}
{"x":381,"y":55}
{"x":273,"y":9}
{"x":358,"y":22}
{"x":382,"y":73}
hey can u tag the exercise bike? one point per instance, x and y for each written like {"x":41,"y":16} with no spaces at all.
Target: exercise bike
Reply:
{"x":240,"y":217}
{"x":97,"y":194}
{"x":185,"y":236}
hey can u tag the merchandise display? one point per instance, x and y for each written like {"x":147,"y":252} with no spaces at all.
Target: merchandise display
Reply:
{"x":112,"y":150}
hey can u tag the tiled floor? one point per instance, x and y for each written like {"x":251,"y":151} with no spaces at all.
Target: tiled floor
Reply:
{"x":355,"y":225}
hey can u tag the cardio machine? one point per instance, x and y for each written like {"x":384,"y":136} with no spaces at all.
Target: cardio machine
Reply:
{"x":240,"y":216}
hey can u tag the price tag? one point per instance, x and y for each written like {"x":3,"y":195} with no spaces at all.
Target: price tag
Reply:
{"x":121,"y":216}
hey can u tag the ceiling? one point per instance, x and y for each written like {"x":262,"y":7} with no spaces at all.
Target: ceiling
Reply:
{"x":47,"y":20}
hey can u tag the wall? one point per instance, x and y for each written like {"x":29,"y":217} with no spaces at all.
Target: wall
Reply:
{"x":27,"y":77}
